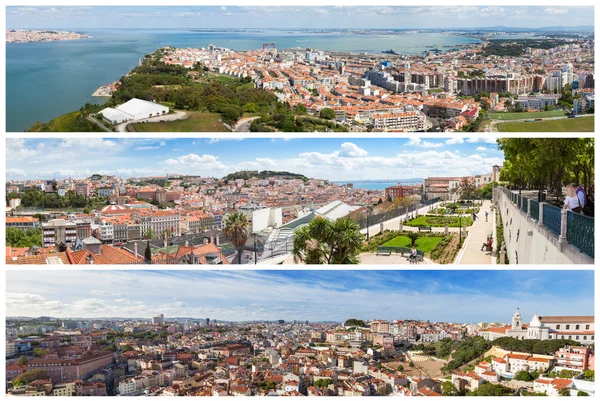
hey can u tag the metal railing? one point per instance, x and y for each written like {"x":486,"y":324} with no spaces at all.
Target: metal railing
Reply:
{"x":579,"y":228}
{"x":524,"y":204}
{"x":580,"y":232}
{"x":535,"y":209}
{"x":552,"y":218}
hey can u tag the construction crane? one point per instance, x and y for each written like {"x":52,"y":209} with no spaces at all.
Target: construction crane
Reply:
{"x":266,"y":45}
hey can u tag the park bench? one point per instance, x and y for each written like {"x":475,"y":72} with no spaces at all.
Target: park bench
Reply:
{"x":416,"y":260}
{"x":385,"y":250}
{"x":424,"y":228}
{"x":485,"y":246}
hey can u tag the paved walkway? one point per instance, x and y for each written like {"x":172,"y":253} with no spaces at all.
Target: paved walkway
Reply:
{"x":471,"y":252}
{"x":374,"y":259}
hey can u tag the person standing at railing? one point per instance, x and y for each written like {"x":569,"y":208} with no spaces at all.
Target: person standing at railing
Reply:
{"x":572,"y":202}
{"x":580,"y":192}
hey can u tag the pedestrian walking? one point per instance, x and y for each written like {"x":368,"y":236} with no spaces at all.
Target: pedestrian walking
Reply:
{"x":486,"y":216}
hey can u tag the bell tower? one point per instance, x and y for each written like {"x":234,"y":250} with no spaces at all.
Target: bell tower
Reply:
{"x":517,"y":320}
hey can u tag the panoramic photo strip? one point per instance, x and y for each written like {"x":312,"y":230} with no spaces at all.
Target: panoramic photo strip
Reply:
{"x":321,"y":201}
{"x":295,"y":333}
{"x":300,"y":69}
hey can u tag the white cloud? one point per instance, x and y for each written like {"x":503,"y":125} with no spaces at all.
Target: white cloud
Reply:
{"x":557,"y":10}
{"x":482,"y":140}
{"x":349,"y":149}
{"x":147,"y":148}
{"x":216,"y":140}
{"x":418,"y":142}
{"x":193,"y":160}
{"x":344,"y":161}
{"x":240,"y":295}
{"x":455,"y":141}
{"x":481,"y":149}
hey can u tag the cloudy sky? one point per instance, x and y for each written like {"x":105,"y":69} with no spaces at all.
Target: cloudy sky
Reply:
{"x":296,"y":17}
{"x":332,"y":159}
{"x":458,"y":296}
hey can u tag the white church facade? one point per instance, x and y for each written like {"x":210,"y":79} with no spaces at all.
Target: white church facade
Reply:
{"x":576,"y":328}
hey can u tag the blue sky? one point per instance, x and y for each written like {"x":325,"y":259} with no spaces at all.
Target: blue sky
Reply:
{"x":332,"y":159}
{"x":315,"y":295}
{"x":296,"y":17}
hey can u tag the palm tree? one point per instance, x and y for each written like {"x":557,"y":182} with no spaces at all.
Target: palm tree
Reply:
{"x":323,"y":241}
{"x":236,"y":230}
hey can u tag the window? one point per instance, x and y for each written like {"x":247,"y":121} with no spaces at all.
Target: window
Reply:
{"x":585,"y":337}
{"x":587,"y":326}
{"x":557,"y":326}
{"x":567,"y":326}
{"x":577,"y":337}
{"x":576,"y":327}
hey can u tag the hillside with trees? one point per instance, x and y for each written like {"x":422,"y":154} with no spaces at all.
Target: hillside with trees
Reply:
{"x":247,"y":175}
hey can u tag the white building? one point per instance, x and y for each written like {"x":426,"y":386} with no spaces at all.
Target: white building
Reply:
{"x":134,"y":109}
{"x":578,"y":328}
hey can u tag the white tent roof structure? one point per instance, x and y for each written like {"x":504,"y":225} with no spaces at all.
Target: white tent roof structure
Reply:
{"x":139,"y":107}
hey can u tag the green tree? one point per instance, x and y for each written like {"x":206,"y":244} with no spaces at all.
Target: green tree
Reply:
{"x":23,"y":360}
{"x":236,"y":230}
{"x":23,"y":238}
{"x":448,"y":389}
{"x":564,"y":392}
{"x":148,"y":253}
{"x":354,"y":323}
{"x":466,"y":189}
{"x":400,"y":368}
{"x":323,"y":241}
{"x":327,"y":113}
{"x":323,"y":382}
{"x":39,"y":352}
{"x":30,"y":376}
{"x":413,"y":236}
{"x":301,"y":109}
{"x":489,"y":389}
{"x":386,"y":390}
{"x":525,"y":376}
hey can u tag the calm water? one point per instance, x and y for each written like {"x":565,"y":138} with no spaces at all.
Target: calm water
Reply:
{"x":45,"y":80}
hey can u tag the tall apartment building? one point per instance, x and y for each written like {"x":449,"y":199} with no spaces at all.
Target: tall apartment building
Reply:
{"x":574,"y":358}
{"x":57,"y":232}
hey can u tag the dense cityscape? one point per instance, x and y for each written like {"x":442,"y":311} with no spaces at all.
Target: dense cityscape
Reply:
{"x":272,"y":217}
{"x":25,"y":36}
{"x":113,"y":217}
{"x":240,"y":347}
{"x":474,"y":87}
{"x":503,"y":78}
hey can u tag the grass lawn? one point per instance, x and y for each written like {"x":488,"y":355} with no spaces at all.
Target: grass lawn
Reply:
{"x":437,"y":221}
{"x":526,"y":115}
{"x":425,"y":244}
{"x":197,"y":121}
{"x":585,"y":124}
